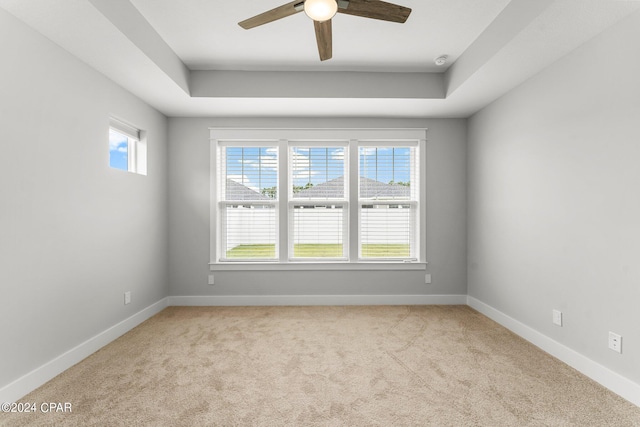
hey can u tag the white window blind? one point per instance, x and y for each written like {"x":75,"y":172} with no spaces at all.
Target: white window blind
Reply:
{"x":124,"y":128}
{"x":248,"y":202}
{"x":318,"y":231}
{"x":317,"y":178}
{"x":388,"y":202}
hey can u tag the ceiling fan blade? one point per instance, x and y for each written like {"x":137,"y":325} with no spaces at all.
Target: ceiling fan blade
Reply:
{"x":377,"y":9}
{"x":324,"y":39}
{"x":273,"y":14}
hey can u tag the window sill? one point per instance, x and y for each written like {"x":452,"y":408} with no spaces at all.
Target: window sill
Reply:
{"x":316,"y":266}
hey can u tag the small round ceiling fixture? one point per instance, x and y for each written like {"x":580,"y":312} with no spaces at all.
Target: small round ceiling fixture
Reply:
{"x":320,"y":10}
{"x":440,"y":60}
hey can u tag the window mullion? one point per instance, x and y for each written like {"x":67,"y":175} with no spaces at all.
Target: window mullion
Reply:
{"x":354,"y":194}
{"x":283,"y":201}
{"x":421,"y":234}
{"x":216,"y":195}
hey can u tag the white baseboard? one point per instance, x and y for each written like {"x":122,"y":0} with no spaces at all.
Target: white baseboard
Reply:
{"x":34,"y":379}
{"x":15,"y":390}
{"x":606,"y":377}
{"x":280,"y":300}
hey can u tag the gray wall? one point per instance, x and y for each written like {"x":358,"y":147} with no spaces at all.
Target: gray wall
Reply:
{"x":554,"y":205}
{"x":189,"y":218}
{"x":74,"y":234}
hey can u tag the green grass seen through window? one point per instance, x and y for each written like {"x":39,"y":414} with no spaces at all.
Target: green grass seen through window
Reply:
{"x":385,"y":250}
{"x":310,"y":250}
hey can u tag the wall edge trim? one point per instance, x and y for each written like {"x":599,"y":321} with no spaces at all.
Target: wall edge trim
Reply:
{"x":22,"y":386}
{"x":288,"y":300}
{"x":613,"y":381}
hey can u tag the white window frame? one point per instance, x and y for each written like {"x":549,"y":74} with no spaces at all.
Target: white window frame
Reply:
{"x":343,"y":203}
{"x":286,"y":138}
{"x":414,"y":204}
{"x":136,"y":145}
{"x":222,"y":204}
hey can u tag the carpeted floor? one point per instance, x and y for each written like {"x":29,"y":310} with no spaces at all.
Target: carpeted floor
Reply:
{"x":324,"y":366}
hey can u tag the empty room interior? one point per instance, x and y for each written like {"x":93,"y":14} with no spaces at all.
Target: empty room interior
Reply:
{"x":252,"y":213}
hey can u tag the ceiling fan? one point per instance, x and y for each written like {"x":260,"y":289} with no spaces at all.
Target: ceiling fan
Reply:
{"x":321,"y":11}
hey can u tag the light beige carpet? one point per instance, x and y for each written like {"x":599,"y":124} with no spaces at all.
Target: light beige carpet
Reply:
{"x":324,"y":366}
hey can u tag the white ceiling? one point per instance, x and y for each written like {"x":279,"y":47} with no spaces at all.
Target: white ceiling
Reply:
{"x":205,"y":34}
{"x":190,"y":58}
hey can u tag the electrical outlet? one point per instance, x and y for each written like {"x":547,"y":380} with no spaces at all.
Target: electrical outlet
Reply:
{"x":615,"y":342}
{"x":211,"y":281}
{"x":127,"y":297}
{"x":427,"y":278}
{"x":557,"y":317}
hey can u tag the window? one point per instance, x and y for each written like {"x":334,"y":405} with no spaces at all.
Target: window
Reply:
{"x":248,"y":202}
{"x":318,"y":207}
{"x":389,"y":201}
{"x":127,"y":148}
{"x":301,"y":197}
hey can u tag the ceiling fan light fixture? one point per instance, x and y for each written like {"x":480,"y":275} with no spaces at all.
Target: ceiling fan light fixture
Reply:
{"x":320,"y":10}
